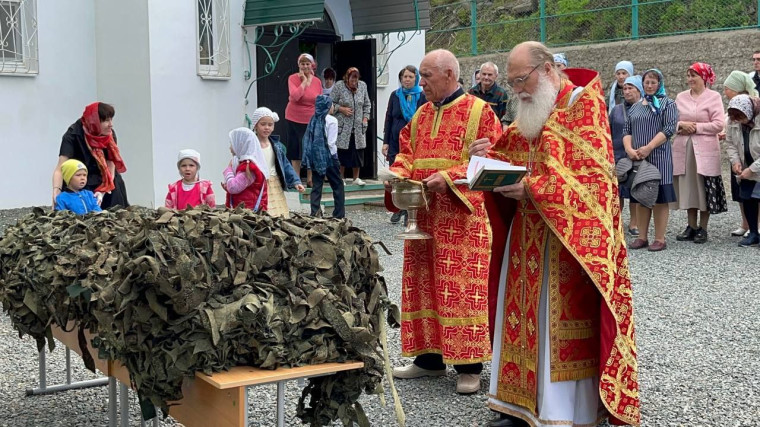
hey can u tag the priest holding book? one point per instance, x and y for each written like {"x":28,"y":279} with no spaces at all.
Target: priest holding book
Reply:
{"x":564,"y":348}
{"x":445,"y":298}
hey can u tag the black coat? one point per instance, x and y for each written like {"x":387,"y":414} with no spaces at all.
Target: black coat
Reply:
{"x":394,"y":122}
{"x":74,"y":146}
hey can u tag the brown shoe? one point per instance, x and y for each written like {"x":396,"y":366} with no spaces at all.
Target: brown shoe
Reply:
{"x":638,"y":244}
{"x":657,"y":246}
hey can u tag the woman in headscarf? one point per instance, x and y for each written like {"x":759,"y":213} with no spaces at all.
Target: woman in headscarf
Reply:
{"x":632,"y":90}
{"x":91,"y":140}
{"x":245,"y":178}
{"x":743,"y":149}
{"x":303,"y":89}
{"x":650,"y":126}
{"x":402,"y":105}
{"x":320,"y":156}
{"x":696,"y":153}
{"x":737,"y":83}
{"x":352,"y":108}
{"x":623,"y":70}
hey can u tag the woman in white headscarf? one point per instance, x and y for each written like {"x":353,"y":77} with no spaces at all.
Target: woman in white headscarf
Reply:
{"x":623,"y":70}
{"x":245,"y":179}
{"x":281,"y":173}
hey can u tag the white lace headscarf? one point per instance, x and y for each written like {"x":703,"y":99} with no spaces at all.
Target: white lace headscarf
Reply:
{"x":246,"y":146}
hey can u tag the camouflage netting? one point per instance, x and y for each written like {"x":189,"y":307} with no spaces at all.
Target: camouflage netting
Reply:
{"x":170,"y":293}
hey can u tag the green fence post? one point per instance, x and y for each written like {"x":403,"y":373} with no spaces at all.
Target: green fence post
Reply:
{"x":474,"y":27}
{"x":757,"y":11}
{"x":542,"y":19}
{"x":635,"y":19}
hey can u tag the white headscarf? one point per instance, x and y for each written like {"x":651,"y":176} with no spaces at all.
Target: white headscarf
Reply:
{"x":246,"y":146}
{"x":189,"y":154}
{"x":262,"y":112}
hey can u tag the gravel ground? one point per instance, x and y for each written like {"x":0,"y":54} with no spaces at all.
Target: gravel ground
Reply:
{"x":699,"y":349}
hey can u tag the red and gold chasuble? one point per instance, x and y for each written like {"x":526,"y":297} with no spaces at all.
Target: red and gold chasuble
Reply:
{"x":444,"y":297}
{"x":572,"y":216}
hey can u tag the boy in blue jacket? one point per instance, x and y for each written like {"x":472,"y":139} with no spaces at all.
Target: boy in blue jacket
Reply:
{"x":74,"y":197}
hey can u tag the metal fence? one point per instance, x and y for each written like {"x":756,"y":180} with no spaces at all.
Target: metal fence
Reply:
{"x":473,"y":27}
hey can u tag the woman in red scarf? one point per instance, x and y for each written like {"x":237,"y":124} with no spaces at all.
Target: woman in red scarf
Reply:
{"x":92,"y":141}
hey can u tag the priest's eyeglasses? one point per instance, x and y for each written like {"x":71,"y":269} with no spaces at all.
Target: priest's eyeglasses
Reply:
{"x":519,"y":82}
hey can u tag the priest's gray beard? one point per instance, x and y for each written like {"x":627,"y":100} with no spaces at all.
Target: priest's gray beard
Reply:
{"x":534,"y":110}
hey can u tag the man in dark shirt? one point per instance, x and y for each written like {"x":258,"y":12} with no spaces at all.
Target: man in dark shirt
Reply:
{"x":755,"y":74}
{"x":493,"y":94}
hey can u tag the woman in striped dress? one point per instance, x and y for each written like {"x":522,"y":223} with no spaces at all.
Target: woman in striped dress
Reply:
{"x":650,"y":126}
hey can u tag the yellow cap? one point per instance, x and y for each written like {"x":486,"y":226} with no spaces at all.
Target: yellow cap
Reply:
{"x":69,"y":168}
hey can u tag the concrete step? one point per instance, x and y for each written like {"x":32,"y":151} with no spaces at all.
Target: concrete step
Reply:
{"x":372,"y":192}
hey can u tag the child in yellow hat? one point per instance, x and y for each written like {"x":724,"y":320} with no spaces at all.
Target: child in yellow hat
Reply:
{"x":74,"y":197}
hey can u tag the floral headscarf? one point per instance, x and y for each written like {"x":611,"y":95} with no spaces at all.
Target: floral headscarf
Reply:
{"x":705,"y":71}
{"x":654,"y":100}
{"x":347,"y":77}
{"x":310,"y":58}
{"x":742,"y":103}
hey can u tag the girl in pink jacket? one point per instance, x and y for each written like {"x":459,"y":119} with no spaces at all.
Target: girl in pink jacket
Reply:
{"x":189,"y":191}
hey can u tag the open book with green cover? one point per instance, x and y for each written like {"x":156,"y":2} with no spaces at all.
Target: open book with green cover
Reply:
{"x":484,"y":174}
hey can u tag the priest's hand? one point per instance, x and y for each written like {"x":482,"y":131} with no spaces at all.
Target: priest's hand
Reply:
{"x":480,"y":147}
{"x":435,"y":183}
{"x":514,"y":191}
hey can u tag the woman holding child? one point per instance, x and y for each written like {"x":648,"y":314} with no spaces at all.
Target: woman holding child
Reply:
{"x":92,"y":141}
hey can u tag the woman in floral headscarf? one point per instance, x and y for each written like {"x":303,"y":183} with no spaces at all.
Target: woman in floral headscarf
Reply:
{"x":743,"y":149}
{"x":92,"y":141}
{"x":352,"y":107}
{"x":696,"y":153}
{"x":650,"y":126}
{"x":737,"y":83}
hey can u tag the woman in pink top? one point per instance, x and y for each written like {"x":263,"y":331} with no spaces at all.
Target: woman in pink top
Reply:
{"x":696,"y":153}
{"x":303,"y":88}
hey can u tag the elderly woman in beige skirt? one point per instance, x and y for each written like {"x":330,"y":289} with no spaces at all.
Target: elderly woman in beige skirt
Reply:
{"x":281,"y":172}
{"x":696,"y":153}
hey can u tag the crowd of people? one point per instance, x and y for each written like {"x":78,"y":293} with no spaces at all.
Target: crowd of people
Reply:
{"x":532,"y":276}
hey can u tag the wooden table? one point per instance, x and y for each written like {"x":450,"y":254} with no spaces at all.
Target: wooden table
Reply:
{"x":220,"y":399}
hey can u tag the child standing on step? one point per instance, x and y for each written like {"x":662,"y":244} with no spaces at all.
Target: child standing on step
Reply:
{"x":245,"y":177}
{"x":320,"y":155}
{"x":281,"y":172}
{"x":190,"y":190}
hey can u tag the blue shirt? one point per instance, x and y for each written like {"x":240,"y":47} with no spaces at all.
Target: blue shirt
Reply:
{"x":80,"y":202}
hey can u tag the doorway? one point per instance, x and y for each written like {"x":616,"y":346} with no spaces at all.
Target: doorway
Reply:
{"x":322,"y":42}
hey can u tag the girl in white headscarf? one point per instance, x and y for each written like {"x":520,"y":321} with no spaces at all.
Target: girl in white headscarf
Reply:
{"x":245,"y":177}
{"x":281,"y":172}
{"x":190,"y":190}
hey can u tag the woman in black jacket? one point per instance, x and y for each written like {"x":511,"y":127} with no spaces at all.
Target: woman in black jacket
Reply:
{"x":91,"y":140}
{"x":402,"y":105}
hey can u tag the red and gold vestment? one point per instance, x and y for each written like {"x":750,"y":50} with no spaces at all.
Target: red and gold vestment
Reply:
{"x":444,"y":297}
{"x":573,"y":216}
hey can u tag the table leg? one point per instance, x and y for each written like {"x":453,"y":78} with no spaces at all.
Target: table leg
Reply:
{"x":112,"y":402}
{"x":281,"y":403}
{"x":124,"y":404}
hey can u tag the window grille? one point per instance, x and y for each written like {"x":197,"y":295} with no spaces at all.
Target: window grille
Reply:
{"x":18,"y":37}
{"x":213,"y":30}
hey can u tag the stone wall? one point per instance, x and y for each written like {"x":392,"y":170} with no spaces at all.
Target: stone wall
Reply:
{"x":725,"y":51}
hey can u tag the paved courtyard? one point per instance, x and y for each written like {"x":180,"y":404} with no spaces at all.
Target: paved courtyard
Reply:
{"x":698,"y":326}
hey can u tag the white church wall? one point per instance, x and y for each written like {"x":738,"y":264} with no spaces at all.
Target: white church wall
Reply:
{"x":35,"y":111}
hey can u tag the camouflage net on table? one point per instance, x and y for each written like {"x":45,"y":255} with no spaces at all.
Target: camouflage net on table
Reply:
{"x":170,"y":293}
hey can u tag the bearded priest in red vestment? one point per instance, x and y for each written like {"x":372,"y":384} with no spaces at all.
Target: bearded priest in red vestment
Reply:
{"x":444,"y":301}
{"x":564,"y":348}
